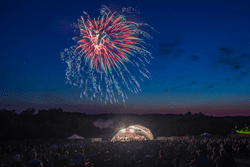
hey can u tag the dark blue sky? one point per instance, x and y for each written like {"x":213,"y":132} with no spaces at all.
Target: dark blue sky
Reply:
{"x":201,"y":56}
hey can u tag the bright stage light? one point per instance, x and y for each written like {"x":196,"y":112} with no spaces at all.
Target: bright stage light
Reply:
{"x":123,"y":130}
{"x":131,"y":130}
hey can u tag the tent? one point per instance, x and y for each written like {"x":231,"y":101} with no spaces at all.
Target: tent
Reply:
{"x":75,"y":136}
{"x":205,"y":134}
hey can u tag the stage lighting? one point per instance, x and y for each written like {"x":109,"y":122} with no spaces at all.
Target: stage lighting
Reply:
{"x":131,"y":130}
{"x":123,"y":130}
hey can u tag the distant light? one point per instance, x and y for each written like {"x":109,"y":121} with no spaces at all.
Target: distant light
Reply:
{"x":131,"y":130}
{"x":132,"y":127}
{"x":123,"y":130}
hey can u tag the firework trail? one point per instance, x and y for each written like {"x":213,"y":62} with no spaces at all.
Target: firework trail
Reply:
{"x":109,"y":56}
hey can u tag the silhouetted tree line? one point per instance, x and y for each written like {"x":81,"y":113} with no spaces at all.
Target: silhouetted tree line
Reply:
{"x":57,"y":124}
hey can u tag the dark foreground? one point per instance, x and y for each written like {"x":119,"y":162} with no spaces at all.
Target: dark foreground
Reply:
{"x":206,"y":152}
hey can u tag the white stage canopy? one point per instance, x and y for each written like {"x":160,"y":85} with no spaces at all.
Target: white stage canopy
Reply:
{"x":133,"y":132}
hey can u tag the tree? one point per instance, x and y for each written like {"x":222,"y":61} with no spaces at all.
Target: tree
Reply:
{"x":29,"y":111}
{"x":7,"y":121}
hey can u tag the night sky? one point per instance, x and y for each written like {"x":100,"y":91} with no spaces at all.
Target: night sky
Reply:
{"x":201,"y":57}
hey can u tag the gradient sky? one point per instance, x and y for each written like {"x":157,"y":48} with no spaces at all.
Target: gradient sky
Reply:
{"x":201,"y":56}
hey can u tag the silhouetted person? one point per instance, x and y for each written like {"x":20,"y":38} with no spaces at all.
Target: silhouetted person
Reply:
{"x":34,"y":162}
{"x":56,"y":160}
{"x":129,"y":161}
{"x":78,"y":159}
{"x":176,"y":162}
{"x":162,"y":161}
{"x":108,"y":162}
{"x":45,"y":161}
{"x":98,"y":161}
{"x":64,"y":160}
{"x":201,"y":160}
{"x":214,"y":156}
{"x":16,"y":162}
{"x":224,"y":160}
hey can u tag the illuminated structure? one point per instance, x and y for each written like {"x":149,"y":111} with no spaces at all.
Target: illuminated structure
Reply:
{"x":134,"y":132}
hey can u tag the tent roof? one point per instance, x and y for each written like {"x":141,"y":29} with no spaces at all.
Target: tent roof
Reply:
{"x":206,"y":134}
{"x":75,"y":136}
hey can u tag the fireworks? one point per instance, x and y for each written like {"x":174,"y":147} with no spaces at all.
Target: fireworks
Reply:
{"x":109,"y":56}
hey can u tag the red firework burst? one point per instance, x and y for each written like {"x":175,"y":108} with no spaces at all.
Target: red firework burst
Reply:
{"x":107,"y":42}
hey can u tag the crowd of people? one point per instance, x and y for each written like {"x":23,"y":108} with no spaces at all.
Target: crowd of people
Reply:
{"x":208,"y":152}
